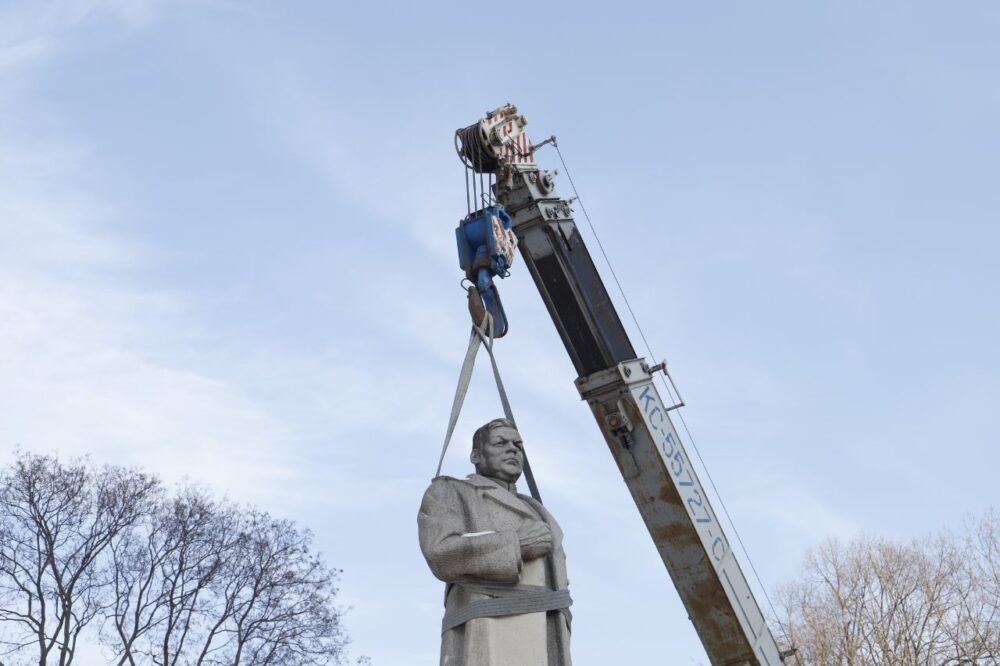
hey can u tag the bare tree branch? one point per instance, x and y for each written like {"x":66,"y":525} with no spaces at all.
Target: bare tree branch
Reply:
{"x":57,"y":520}
{"x":932,"y":602}
{"x":170,"y":581}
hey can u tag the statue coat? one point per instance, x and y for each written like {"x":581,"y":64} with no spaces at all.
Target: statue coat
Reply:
{"x":468,"y":534}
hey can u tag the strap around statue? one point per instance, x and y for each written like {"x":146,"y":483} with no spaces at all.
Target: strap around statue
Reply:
{"x":506,"y":600}
{"x":482,"y":335}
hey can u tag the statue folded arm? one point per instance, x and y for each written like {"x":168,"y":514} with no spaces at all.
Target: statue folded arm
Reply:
{"x":452,"y":557}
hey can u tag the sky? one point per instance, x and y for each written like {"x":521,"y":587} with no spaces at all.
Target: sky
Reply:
{"x":227,"y":255}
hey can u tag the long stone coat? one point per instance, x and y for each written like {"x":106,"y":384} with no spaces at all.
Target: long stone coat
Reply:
{"x":468,"y":534}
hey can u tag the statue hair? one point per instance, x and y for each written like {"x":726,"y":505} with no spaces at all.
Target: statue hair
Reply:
{"x":481,"y":435}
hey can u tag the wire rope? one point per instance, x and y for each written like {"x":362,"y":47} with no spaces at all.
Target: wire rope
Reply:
{"x":663,"y":382}
{"x":468,"y":200}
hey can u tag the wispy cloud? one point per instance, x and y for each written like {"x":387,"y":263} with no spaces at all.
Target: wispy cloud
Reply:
{"x":29,"y":31}
{"x":83,"y":350}
{"x":89,"y":354}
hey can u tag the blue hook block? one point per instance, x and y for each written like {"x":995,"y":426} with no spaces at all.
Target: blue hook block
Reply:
{"x":485,"y":250}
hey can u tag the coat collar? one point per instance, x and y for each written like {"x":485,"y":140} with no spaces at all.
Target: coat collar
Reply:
{"x":498,"y":493}
{"x":483,"y":482}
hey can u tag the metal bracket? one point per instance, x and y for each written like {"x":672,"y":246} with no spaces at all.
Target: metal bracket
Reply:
{"x":618,"y":421}
{"x":662,"y":367}
{"x":551,"y":139}
{"x":790,"y":652}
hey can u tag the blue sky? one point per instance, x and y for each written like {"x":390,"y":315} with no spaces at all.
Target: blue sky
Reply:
{"x":226,"y":253}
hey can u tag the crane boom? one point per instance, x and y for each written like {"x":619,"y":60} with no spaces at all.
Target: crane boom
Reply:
{"x":621,"y":393}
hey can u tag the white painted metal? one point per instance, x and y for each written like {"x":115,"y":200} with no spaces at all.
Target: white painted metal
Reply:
{"x":649,"y":451}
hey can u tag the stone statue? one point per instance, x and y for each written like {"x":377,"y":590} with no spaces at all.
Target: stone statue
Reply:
{"x":500,"y":555}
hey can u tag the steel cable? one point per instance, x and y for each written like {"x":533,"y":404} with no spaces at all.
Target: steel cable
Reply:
{"x":653,"y":357}
{"x":473,"y":153}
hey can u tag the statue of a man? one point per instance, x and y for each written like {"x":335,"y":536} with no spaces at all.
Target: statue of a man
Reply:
{"x":500,"y":555}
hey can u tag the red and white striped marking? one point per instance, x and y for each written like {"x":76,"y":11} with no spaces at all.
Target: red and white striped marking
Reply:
{"x":516,"y":147}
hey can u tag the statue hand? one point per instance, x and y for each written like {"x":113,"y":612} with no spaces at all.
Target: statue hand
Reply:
{"x":536,"y":539}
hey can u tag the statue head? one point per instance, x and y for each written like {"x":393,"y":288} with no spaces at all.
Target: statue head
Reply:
{"x":497,"y":451}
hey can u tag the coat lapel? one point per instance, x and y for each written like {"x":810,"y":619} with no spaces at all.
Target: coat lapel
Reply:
{"x":500,"y":495}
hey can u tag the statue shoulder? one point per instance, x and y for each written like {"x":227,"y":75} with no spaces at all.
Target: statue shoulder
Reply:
{"x":473,"y":481}
{"x":445,"y":486}
{"x":450,"y":483}
{"x":446,"y":491}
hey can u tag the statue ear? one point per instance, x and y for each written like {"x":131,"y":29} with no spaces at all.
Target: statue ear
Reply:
{"x":475,"y":456}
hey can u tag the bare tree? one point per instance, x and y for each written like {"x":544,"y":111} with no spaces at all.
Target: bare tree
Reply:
{"x":930,"y":602}
{"x":210,"y":584}
{"x":276,"y":605}
{"x":981,"y":601}
{"x":167,"y":580}
{"x":162,"y":572}
{"x":56,"y":521}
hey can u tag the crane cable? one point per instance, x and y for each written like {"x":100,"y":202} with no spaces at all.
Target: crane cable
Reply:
{"x":475,"y":157}
{"x":694,"y":445}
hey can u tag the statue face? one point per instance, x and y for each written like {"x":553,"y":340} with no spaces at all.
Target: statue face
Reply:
{"x":502,"y":456}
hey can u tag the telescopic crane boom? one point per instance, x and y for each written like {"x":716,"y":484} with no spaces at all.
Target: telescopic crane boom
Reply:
{"x":620,"y":390}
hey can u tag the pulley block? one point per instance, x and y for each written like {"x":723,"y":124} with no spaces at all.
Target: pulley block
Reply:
{"x":486,"y":245}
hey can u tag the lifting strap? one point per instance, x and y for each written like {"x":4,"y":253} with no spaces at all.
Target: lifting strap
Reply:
{"x":482,"y":335}
{"x":506,"y":600}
